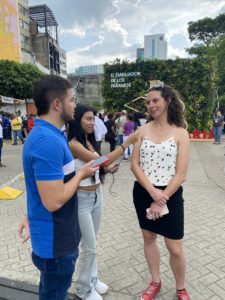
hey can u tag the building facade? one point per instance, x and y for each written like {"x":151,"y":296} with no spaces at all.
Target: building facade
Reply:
{"x":140,"y":53}
{"x":89,"y":70}
{"x":44,"y":39}
{"x":29,"y":34}
{"x":87,"y":88}
{"x":25,"y":36}
{"x":62,"y":63}
{"x":155,"y":47}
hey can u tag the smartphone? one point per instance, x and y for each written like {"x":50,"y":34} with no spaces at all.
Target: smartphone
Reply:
{"x":165,"y":211}
{"x":100,"y":161}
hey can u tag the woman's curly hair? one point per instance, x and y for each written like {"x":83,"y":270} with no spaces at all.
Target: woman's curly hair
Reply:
{"x":176,"y":106}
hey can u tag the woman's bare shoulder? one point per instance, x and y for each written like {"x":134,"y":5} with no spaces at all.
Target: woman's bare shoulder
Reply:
{"x":144,"y":129}
{"x":181,"y":133}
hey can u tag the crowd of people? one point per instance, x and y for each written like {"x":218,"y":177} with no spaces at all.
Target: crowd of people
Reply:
{"x":14,"y":127}
{"x":64,"y":196}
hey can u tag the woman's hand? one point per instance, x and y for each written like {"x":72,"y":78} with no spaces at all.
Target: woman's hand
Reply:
{"x":158,"y":196}
{"x":87,"y":170}
{"x":112,"y":168}
{"x":154,"y":212}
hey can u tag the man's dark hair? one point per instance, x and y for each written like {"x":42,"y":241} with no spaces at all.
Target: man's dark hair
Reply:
{"x":110,"y":116}
{"x":47,"y":89}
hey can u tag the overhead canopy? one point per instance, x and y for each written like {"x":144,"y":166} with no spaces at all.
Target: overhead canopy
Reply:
{"x":43,"y":15}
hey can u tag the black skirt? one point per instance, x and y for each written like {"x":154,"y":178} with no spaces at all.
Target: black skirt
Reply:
{"x":171,"y":225}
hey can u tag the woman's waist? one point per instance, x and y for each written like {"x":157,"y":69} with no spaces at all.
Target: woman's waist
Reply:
{"x":161,"y":187}
{"x":89,"y":187}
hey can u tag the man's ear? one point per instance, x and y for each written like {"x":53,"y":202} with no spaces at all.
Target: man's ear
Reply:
{"x":57,"y":104}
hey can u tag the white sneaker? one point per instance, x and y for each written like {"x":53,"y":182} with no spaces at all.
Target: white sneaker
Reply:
{"x":94,"y":296}
{"x":101,"y":287}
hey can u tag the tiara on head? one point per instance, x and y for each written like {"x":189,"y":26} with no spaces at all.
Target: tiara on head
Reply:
{"x":155,"y":84}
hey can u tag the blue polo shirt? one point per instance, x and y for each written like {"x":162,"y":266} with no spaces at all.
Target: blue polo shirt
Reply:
{"x":46,"y":156}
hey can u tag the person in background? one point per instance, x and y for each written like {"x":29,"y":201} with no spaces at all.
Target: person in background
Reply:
{"x":159,"y":163}
{"x":100,"y":117}
{"x":6,"y":125}
{"x":24,"y":126}
{"x":119,"y":125}
{"x":51,"y":185}
{"x":30,"y":122}
{"x":137,"y":117}
{"x":105,"y":116}
{"x":1,"y":142}
{"x":218,"y":122}
{"x":100,"y":130}
{"x":110,"y":136}
{"x":128,"y":128}
{"x":16,"y":124}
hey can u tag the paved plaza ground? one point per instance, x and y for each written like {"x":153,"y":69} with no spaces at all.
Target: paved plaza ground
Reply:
{"x":121,"y":259}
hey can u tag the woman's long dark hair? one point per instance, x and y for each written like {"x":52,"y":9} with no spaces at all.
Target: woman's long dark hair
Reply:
{"x":76,"y":131}
{"x":175,"y":106}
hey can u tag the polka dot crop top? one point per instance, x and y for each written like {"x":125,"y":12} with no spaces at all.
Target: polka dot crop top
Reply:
{"x":158,"y":161}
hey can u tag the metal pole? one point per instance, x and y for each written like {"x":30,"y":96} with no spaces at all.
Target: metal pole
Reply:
{"x":76,"y":87}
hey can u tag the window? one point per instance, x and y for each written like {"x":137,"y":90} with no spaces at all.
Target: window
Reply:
{"x":20,"y":8}
{"x":24,"y":25}
{"x":24,"y":11}
{"x":22,"y":38}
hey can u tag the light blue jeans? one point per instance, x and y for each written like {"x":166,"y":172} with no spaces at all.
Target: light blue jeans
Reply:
{"x":17,"y":133}
{"x":89,"y":214}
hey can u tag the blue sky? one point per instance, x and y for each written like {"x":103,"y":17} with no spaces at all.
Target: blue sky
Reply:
{"x":98,"y":31}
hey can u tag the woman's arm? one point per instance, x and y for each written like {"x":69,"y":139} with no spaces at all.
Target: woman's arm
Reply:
{"x":158,"y":196}
{"x":181,"y":164}
{"x":119,"y":150}
{"x":79,"y":151}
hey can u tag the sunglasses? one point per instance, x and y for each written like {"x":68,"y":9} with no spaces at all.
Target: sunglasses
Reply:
{"x":154,"y":84}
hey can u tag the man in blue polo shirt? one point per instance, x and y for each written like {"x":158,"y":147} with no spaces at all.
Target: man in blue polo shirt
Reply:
{"x":51,"y":184}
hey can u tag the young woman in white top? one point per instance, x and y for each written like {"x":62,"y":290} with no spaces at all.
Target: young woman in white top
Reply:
{"x":84,"y":148}
{"x":159,"y":163}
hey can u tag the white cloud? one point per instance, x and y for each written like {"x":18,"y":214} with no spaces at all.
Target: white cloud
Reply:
{"x":77,"y":30}
{"x":96,"y":31}
{"x":174,"y":52}
{"x":114,"y":25}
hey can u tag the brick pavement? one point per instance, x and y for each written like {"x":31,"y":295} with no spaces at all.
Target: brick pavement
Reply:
{"x":120,"y":251}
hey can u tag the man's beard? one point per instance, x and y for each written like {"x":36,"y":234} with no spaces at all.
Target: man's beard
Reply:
{"x":65,"y":116}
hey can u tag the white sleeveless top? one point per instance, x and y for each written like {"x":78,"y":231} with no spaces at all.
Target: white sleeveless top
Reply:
{"x":78,"y":163}
{"x":158,"y":161}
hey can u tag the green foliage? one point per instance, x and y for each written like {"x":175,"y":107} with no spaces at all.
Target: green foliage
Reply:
{"x":207,"y":29}
{"x":211,"y":32}
{"x":193,"y":78}
{"x":16,"y":80}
